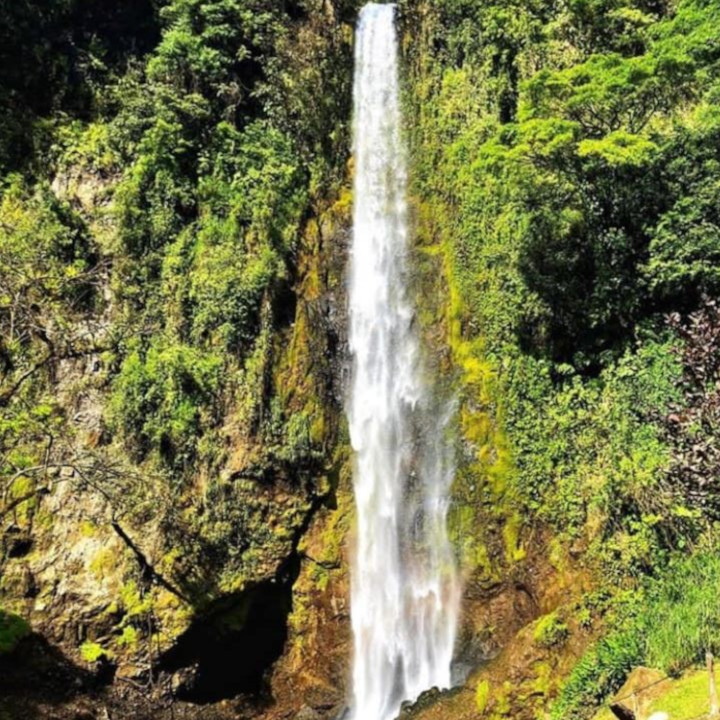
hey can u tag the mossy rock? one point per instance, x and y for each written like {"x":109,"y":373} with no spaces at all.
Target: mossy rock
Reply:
{"x":92,"y":652}
{"x":482,"y":696}
{"x":550,"y":631}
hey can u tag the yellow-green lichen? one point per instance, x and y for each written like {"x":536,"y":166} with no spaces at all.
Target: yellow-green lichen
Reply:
{"x":482,"y":696}
{"x":542,"y":684}
{"x":129,"y":637}
{"x":92,"y":652}
{"x":133,"y":601}
{"x":511,"y":535}
{"x":103,"y":562}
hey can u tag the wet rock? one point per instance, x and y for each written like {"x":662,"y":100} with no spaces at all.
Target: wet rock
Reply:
{"x":426,"y":700}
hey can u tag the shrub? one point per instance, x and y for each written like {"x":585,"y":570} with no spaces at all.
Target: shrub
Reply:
{"x":160,"y":396}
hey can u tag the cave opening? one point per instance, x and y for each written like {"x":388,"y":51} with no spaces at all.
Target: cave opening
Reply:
{"x":229,"y":652}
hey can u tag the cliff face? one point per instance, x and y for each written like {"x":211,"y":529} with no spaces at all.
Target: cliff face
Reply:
{"x":173,"y":349}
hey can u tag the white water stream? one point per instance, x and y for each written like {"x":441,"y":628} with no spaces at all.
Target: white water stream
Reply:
{"x":405,"y":591}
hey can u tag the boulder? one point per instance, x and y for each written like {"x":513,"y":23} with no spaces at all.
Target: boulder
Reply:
{"x":633,"y":699}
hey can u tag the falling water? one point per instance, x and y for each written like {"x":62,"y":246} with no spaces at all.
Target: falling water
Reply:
{"x":404,"y":585}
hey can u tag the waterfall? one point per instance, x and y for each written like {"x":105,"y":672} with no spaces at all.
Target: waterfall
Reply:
{"x":405,"y":591}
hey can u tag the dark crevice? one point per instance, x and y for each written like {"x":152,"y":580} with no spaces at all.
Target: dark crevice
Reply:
{"x":149,"y":573}
{"x":229,"y":652}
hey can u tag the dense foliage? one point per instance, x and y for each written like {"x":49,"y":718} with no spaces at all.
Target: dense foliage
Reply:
{"x":566,"y":164}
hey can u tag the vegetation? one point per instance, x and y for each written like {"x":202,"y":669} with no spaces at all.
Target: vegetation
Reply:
{"x":565,"y":163}
{"x":670,"y":626}
{"x":550,"y":630}
{"x":12,"y":630}
{"x":92,"y":652}
{"x":169,"y":171}
{"x":160,"y":165}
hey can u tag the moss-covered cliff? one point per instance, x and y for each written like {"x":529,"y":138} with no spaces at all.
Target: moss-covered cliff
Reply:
{"x":171,"y":308}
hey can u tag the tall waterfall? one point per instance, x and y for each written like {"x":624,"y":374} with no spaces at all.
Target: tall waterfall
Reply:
{"x":404,"y":585}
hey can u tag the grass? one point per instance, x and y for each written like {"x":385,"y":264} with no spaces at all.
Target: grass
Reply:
{"x":688,"y":696}
{"x":670,"y":628}
{"x":683,"y":621}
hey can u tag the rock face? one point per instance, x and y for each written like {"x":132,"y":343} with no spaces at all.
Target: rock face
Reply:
{"x":145,"y":619}
{"x":311,"y":676}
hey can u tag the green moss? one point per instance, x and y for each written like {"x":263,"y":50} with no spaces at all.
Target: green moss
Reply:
{"x":129,"y":637}
{"x":43,"y":518}
{"x":133,"y":602}
{"x":483,"y":561}
{"x":335,"y":533}
{"x":584,"y":617}
{"x":92,"y":652}
{"x":24,"y":486}
{"x":321,"y":577}
{"x":174,"y":615}
{"x":21,"y":487}
{"x":558,"y":554}
{"x":543,"y":682}
{"x":511,"y":535}
{"x":503,"y":705}
{"x":88,"y":529}
{"x":104,"y":561}
{"x":550,"y":631}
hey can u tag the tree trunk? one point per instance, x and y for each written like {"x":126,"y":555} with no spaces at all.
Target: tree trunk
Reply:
{"x":714,"y":703}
